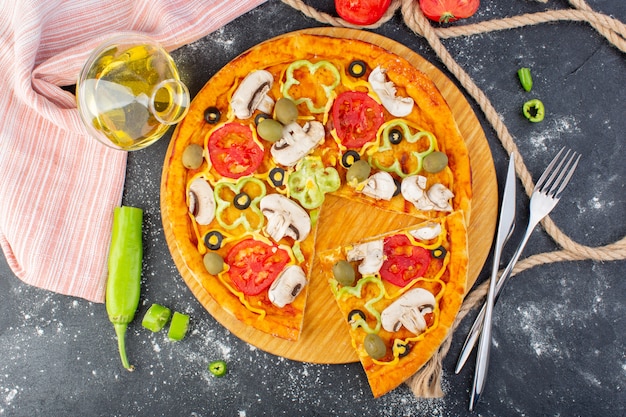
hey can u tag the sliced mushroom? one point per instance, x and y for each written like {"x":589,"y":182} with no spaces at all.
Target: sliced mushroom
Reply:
{"x":409,"y":311}
{"x":252,"y":94}
{"x":297,"y":141}
{"x":201,"y":201}
{"x":380,"y":186}
{"x":370,"y":254}
{"x":285,"y":218}
{"x":287,"y":286}
{"x":386,"y":90}
{"x":440,"y":195}
{"x":413,"y":189}
{"x":426,"y":231}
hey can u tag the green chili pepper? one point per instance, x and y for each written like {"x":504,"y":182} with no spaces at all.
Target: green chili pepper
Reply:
{"x":218,"y":368}
{"x":124,"y":280}
{"x":178,"y":326}
{"x":534,"y":110}
{"x":156,"y":317}
{"x":525,"y":78}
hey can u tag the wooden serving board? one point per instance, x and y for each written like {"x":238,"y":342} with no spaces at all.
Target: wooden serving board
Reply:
{"x":325,"y":338}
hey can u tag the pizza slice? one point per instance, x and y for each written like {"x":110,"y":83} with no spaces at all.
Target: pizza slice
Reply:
{"x":400,"y":293}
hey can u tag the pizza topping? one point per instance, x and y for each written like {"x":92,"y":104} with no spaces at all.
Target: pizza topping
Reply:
{"x":349,"y":158}
{"x":374,"y":346}
{"x":286,"y":111}
{"x":357,"y":68}
{"x":212,"y":115}
{"x":277,"y":176}
{"x":356,"y":315}
{"x":193,"y":156}
{"x":233,"y":151}
{"x":435,"y":162}
{"x":427,"y":231}
{"x":358,"y":172}
{"x":403,"y":261}
{"x":247,"y":214}
{"x":370,"y":254}
{"x":213,"y":262}
{"x":380,"y":186}
{"x":201,"y":201}
{"x":409,"y":311}
{"x":436,"y":198}
{"x":311,"y":181}
{"x":327,"y":87}
{"x":213,"y":240}
{"x":287,"y":286}
{"x":343,"y":272}
{"x":297,"y":141}
{"x":270,"y":130}
{"x":386,"y":90}
{"x":252,"y":94}
{"x":356,"y":117}
{"x":285,"y":218}
{"x":242,"y":201}
{"x":254,"y":265}
{"x":439,"y":252}
{"x":395,"y":136}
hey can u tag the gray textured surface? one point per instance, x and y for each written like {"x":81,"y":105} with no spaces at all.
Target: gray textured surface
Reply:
{"x":559,"y":335}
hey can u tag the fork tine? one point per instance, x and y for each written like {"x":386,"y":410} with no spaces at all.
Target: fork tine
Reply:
{"x":569,"y":174}
{"x":553,"y":182}
{"x":548,"y":170}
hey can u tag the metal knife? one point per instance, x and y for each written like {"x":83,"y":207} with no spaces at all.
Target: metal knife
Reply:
{"x":505,"y":226}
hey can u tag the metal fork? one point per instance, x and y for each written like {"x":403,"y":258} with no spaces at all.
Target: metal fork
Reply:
{"x":545,"y":196}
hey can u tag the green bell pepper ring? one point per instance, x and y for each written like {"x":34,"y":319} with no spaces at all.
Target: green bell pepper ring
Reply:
{"x":251,"y":218}
{"x":311,"y":181}
{"x":534,"y":110}
{"x":124,"y":279}
{"x":525,"y":78}
{"x":290,"y":81}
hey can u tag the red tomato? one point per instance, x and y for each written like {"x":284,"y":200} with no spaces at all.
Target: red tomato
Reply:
{"x":448,"y":10}
{"x":233,"y":151}
{"x":361,"y":12}
{"x":356,"y":117}
{"x":254,"y":265}
{"x":403,"y":261}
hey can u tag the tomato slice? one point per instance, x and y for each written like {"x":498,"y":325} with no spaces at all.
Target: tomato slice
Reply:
{"x":361,"y":12}
{"x":254,"y":265}
{"x":233,"y":150}
{"x":356,"y":117}
{"x":403,"y":261}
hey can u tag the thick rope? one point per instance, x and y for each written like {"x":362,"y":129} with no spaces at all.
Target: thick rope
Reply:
{"x":427,"y":381}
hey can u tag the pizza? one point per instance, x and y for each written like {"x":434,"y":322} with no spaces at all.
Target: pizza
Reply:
{"x":274,"y":133}
{"x":399,"y":294}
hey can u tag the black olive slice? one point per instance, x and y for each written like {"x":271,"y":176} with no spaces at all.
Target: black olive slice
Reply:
{"x":212,"y":115}
{"x":352,"y":315}
{"x":277,"y":176}
{"x":439,"y":253}
{"x":213,"y":240}
{"x":242,"y":201}
{"x":395,"y":136}
{"x":349,"y":158}
{"x":357,"y":68}
{"x":260,"y":117}
{"x":404,"y":350}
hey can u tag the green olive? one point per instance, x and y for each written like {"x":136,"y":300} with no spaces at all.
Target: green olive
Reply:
{"x":192,"y":156}
{"x":344,"y":273}
{"x":270,"y":130}
{"x":435,"y":162}
{"x":359,"y":171}
{"x":286,"y":111}
{"x":213,"y":263}
{"x":375,"y":346}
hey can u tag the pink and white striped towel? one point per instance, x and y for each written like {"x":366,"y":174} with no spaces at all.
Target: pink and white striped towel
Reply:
{"x":58,"y":187}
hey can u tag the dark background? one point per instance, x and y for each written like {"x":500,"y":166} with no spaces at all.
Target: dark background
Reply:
{"x":559,"y":329}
